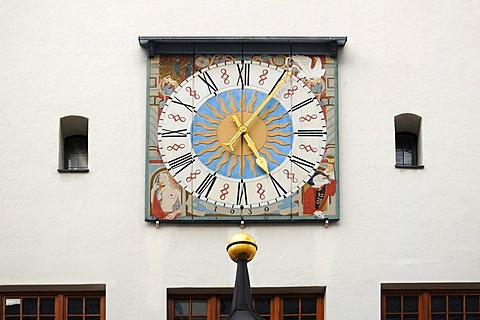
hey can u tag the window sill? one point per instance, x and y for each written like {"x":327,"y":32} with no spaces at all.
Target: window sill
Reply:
{"x":400,"y":166}
{"x":73,"y":170}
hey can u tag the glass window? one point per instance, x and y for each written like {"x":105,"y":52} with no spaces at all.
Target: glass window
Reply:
{"x":270,"y":305}
{"x":434,"y":302}
{"x":31,"y":305}
{"x":406,"y":149}
{"x":76,"y":153}
{"x":73,"y":144}
{"x":407,"y":141}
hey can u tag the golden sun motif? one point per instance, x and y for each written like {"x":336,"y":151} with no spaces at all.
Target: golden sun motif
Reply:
{"x":213,"y":126}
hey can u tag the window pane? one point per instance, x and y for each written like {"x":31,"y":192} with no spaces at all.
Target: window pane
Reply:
{"x":92,"y":318}
{"x":181,"y":307}
{"x":47,"y":306}
{"x":92,"y":305}
{"x":76,"y":154}
{"x":406,"y":148}
{"x":47,"y":318}
{"x":298,"y":307}
{"x":262,"y":305}
{"x":225,"y":306}
{"x":455,"y":317}
{"x":29,"y":306}
{"x":199,"y":307}
{"x":394,"y":317}
{"x":12,"y":306}
{"x":393,"y":304}
{"x":290,"y":306}
{"x":407,"y":157}
{"x":410,"y":317}
{"x":75,"y":306}
{"x":29,"y":318}
{"x":309,"y":305}
{"x":439,"y":317}
{"x":75,"y":318}
{"x":410,"y":304}
{"x":455,"y":304}
{"x":439,"y":304}
{"x":472,"y":303}
{"x":399,"y":156}
{"x":473,"y":316}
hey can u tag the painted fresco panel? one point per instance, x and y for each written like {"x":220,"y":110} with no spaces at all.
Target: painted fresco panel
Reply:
{"x":317,"y":199}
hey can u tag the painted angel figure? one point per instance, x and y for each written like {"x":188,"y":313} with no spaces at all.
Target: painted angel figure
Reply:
{"x":311,"y":71}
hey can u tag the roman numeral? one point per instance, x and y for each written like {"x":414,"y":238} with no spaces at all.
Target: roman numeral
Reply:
{"x":180,"y":133}
{"x":186,"y":105}
{"x":241,"y":193}
{"x":302,"y":163}
{"x":280,"y":78}
{"x":310,"y":133}
{"x":302,"y":104}
{"x":277,"y":186}
{"x":212,"y":87}
{"x":181,"y":162}
{"x":243,"y":74}
{"x":206,"y":184}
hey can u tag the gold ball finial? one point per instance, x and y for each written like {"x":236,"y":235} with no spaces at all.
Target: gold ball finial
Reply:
{"x":242,"y":246}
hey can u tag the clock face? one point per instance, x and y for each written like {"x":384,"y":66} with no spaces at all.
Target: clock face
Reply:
{"x":242,"y":134}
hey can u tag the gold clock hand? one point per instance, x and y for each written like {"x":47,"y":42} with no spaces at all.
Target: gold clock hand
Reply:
{"x":258,"y":110}
{"x":236,"y":120}
{"x":261,"y":161}
{"x":240,"y":130}
{"x":268,"y":98}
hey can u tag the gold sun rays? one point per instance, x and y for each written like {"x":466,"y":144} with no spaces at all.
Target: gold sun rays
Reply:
{"x":218,"y":155}
{"x":209,"y":119}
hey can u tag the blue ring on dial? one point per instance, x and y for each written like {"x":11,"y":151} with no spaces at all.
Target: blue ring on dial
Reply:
{"x":274,"y":115}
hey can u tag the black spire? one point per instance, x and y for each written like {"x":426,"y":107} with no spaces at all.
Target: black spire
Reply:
{"x":242,"y":304}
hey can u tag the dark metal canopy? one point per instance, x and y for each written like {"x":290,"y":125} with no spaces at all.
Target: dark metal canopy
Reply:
{"x":242,"y":45}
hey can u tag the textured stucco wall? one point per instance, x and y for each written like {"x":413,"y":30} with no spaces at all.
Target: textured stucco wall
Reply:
{"x":61,"y":58}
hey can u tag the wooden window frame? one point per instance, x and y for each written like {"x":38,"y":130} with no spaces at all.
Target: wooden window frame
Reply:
{"x":425,"y":291}
{"x":59,"y":292}
{"x":276,"y":295}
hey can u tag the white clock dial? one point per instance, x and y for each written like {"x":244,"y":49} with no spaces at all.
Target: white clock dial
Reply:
{"x":242,"y":134}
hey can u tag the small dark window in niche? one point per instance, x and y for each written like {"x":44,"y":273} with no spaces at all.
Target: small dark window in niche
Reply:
{"x":76,"y":152}
{"x":73,"y":155}
{"x":408,"y":146}
{"x":406,"y":149}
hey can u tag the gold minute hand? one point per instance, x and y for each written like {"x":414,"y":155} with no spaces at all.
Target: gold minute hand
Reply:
{"x":242,"y":129}
{"x":270,"y":96}
{"x":261,"y":161}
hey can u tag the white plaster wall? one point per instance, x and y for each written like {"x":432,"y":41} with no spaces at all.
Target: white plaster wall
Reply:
{"x":62,"y":58}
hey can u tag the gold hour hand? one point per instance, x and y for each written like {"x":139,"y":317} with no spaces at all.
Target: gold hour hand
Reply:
{"x":241,"y":129}
{"x":261,"y":161}
{"x":232,"y":140}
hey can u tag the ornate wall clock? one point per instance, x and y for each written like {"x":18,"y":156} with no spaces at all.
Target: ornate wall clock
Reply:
{"x":242,"y":129}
